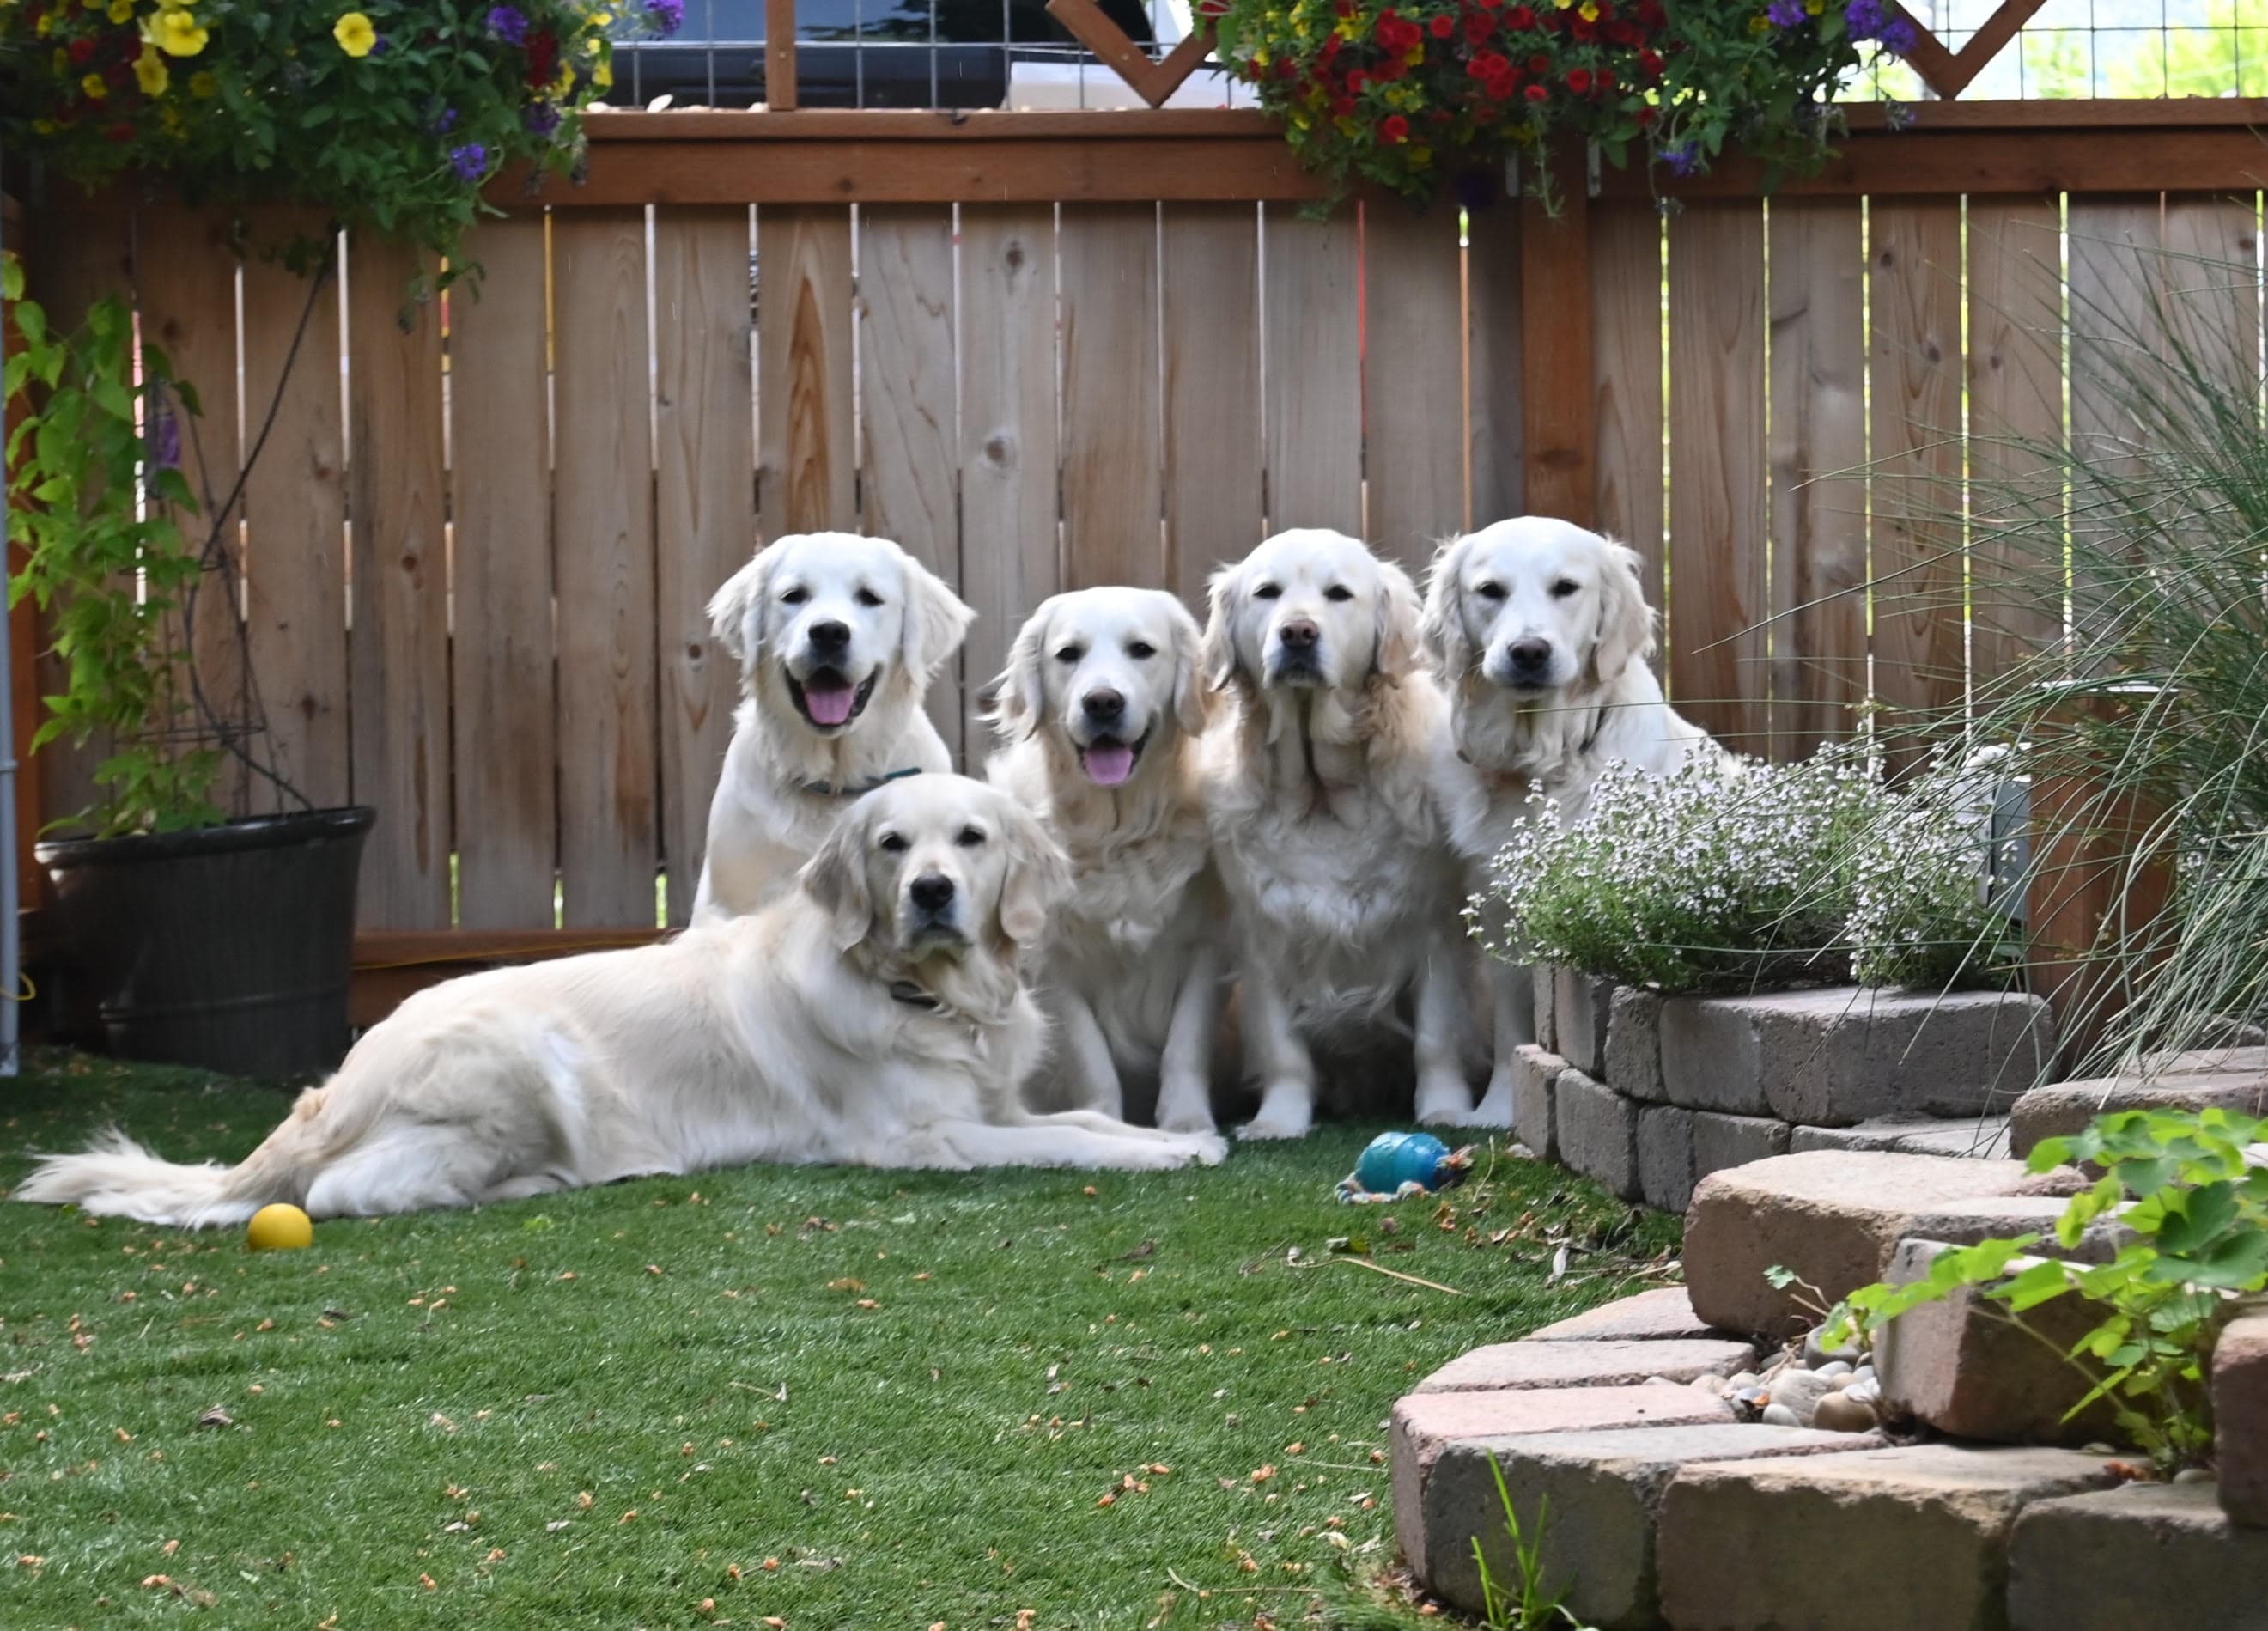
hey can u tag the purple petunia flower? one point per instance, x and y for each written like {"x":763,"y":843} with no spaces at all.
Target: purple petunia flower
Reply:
{"x":443,"y":122}
{"x":1864,"y":18}
{"x":542,"y":119}
{"x":471,"y":161}
{"x":665,"y":16}
{"x":1683,"y":159}
{"x":509,"y":24}
{"x":1899,"y":36}
{"x":1787,"y":13}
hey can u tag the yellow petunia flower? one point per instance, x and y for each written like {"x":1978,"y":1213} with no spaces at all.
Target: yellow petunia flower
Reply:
{"x":205,"y":86}
{"x":46,"y":26}
{"x":1348,"y":29}
{"x":602,"y":74}
{"x":122,"y":11}
{"x":95,"y":86}
{"x":1421,"y":155}
{"x":1299,"y":120}
{"x":1760,"y":24}
{"x":44,"y":127}
{"x":150,"y":70}
{"x":1588,"y":11}
{"x":355,"y":34}
{"x":1414,"y":56}
{"x":61,"y":61}
{"x":174,"y":31}
{"x":1346,"y":127}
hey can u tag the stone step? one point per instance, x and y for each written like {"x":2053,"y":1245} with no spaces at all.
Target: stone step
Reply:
{"x":2065,"y":1108}
{"x":1654,"y":1316}
{"x":1588,"y":1365}
{"x":1983,"y":1136}
{"x":2148,"y":1554}
{"x":1423,"y":1425}
{"x":1906,"y":1539}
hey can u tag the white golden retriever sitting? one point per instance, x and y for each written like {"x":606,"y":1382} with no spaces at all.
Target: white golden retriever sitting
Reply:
{"x":1540,"y":633}
{"x":838,"y":638}
{"x":873,"y":1016}
{"x":1346,"y":899}
{"x":1100,"y":716}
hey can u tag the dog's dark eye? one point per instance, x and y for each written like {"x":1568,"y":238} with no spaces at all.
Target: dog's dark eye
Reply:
{"x":971,"y":837}
{"x":1565,"y":588}
{"x":1338,"y":592}
{"x":1489,"y":591}
{"x":1069,"y":653}
{"x":894,"y":843}
{"x":1141,"y":651}
{"x":867,"y":597}
{"x":794,"y":597}
{"x":1267,"y":591}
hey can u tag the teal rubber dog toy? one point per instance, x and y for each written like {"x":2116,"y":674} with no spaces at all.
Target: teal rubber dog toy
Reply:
{"x":1396,"y":1164}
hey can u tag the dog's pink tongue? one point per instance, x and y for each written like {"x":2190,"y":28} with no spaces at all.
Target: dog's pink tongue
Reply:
{"x":1109,"y":763}
{"x":829,"y":704}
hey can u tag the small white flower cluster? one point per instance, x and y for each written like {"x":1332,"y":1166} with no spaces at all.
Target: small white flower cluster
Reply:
{"x":1727,"y":877}
{"x":1921,"y":911}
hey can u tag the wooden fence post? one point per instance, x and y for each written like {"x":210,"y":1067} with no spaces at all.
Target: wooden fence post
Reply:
{"x":1558,"y":387}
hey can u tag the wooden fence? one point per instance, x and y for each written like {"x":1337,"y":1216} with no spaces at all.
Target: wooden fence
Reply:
{"x":1051,"y":350}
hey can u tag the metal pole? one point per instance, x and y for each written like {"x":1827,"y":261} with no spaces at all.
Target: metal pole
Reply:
{"x":11,"y":977}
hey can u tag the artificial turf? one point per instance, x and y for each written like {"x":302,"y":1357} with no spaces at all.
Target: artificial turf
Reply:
{"x":814,"y":1398}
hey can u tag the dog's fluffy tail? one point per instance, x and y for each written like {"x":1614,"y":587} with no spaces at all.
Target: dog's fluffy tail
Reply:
{"x":114,"y":1177}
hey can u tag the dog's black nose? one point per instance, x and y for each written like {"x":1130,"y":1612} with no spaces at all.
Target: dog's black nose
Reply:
{"x":835,"y":635}
{"x":1530,"y":653}
{"x":1103,"y":705}
{"x":1299,"y":634}
{"x":933,"y":891}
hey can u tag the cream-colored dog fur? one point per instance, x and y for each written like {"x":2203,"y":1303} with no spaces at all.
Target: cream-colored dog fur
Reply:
{"x":1540,"y":633}
{"x":1346,"y":897}
{"x":874,"y":1016}
{"x":1101,"y":715}
{"x":793,"y":766}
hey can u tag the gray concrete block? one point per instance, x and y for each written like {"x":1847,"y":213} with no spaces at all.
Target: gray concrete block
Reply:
{"x":1536,"y":1072}
{"x":2148,"y":1554}
{"x":1597,"y":1131}
{"x":1982,"y":1136}
{"x":1665,"y":1171}
{"x":1633,"y":1056}
{"x":1848,"y":1054}
{"x":1584,"y":1003}
{"x":1721,"y":1140}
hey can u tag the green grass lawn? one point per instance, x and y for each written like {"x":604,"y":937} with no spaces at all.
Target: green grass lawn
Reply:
{"x":836,"y":1398}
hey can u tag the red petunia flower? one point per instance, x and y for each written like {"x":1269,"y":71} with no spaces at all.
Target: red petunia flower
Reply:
{"x":1397,"y":129}
{"x":1479,"y":27}
{"x":1520,"y":16}
{"x":81,"y":49}
{"x":1606,"y":79}
{"x":122,"y":131}
{"x":1344,"y":106}
{"x":542,"y":58}
{"x":1651,"y":61}
{"x":1645,"y":118}
{"x":1355,"y":80}
{"x":1578,"y":81}
{"x":1287,"y":69}
{"x":1442,"y":25}
{"x":1583,"y":31}
{"x":1539,"y":93}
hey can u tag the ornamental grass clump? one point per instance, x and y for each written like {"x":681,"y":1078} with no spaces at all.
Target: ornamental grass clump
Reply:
{"x":1707,"y":879}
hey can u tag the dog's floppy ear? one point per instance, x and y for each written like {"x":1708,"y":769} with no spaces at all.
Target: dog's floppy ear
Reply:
{"x":1443,"y":626}
{"x":1395,"y":652}
{"x":1217,"y":655}
{"x":1038,"y":878}
{"x":736,"y":611}
{"x":935,"y":621}
{"x":1019,"y":695}
{"x":1626,"y":621}
{"x":1192,"y":694}
{"x":835,"y":877}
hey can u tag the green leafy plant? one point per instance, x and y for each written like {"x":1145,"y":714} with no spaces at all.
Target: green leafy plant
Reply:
{"x":1401,"y":92}
{"x":2199,"y":1213}
{"x":96,"y":488}
{"x":1521,"y":1604}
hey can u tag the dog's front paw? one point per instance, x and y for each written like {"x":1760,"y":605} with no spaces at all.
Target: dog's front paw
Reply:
{"x":1278,"y":1121}
{"x":1446,"y":1101}
{"x":1185,"y":1117}
{"x":1495,"y":1108}
{"x":1206,"y":1150}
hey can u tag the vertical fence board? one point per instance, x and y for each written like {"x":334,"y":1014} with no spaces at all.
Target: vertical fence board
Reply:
{"x":1562,"y":430}
{"x":705,"y":510}
{"x":906,"y":389}
{"x":1717,"y":512}
{"x":2212,"y":285}
{"x":1497,"y":398}
{"x":1818,"y":427}
{"x":1113,"y":460}
{"x":1009,"y":493}
{"x":500,"y":459}
{"x":806,"y":435}
{"x":1919,"y":664}
{"x":398,"y":646}
{"x":1411,"y":395}
{"x":1626,"y":363}
{"x":603,"y":528}
{"x":186,"y":262}
{"x":1311,"y":302}
{"x":295,"y":514}
{"x":76,"y":256}
{"x":2114,"y":241}
{"x":1213,"y":500}
{"x":2016,"y":397}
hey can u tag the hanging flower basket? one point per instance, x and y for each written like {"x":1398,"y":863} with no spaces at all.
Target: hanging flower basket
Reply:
{"x":1403,"y":94}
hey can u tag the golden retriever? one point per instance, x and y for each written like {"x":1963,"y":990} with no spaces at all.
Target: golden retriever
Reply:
{"x":838,"y":636}
{"x":873,"y":1016}
{"x":1346,"y":897}
{"x":1100,"y":716}
{"x":1540,"y":633}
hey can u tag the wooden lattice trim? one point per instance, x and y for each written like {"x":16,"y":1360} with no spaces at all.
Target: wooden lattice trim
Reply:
{"x":1152,"y":82}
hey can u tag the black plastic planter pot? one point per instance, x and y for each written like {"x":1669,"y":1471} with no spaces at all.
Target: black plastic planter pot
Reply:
{"x":228,"y":947}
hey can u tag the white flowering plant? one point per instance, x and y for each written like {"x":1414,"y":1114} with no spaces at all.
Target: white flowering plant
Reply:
{"x":1738,"y":876}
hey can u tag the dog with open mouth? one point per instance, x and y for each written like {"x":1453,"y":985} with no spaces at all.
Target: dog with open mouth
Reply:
{"x":1351,"y":953}
{"x":838,"y":636}
{"x":1099,"y":715}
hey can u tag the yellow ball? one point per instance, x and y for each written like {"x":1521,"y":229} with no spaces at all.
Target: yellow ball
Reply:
{"x":279,"y":1227}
